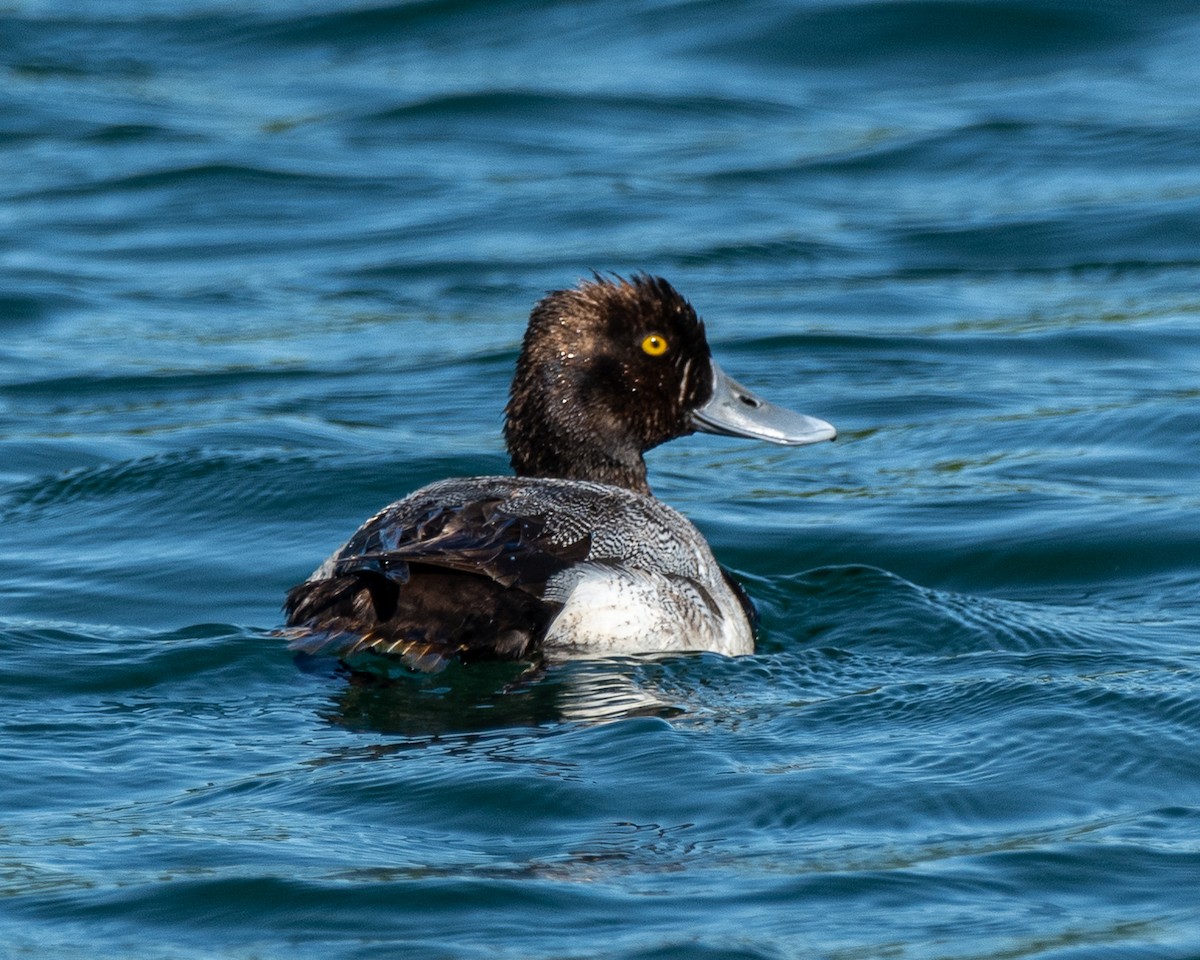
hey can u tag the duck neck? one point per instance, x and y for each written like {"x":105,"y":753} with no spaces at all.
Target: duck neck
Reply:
{"x":544,"y":447}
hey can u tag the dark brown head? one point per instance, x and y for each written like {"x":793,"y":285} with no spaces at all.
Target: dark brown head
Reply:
{"x":615,"y":367}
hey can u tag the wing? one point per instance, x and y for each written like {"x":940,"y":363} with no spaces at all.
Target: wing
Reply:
{"x":428,"y":581}
{"x":479,"y":537}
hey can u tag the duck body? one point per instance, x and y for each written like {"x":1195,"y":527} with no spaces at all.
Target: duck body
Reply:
{"x":505,"y":567}
{"x":573,"y":555}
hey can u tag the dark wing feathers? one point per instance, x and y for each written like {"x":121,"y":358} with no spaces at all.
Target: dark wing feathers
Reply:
{"x":462,"y":580}
{"x":477,"y":537}
{"x":438,"y":616}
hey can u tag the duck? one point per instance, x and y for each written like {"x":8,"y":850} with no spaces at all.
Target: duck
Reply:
{"x":573,"y":555}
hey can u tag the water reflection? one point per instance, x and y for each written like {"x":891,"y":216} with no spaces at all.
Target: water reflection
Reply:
{"x":488,"y":696}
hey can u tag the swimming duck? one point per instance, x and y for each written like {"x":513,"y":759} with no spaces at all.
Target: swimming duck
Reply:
{"x":573,"y":555}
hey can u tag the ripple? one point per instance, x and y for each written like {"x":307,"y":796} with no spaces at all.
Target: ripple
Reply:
{"x":938,"y":35}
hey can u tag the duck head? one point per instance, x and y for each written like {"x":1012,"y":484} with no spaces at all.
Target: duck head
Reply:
{"x":614,"y":367}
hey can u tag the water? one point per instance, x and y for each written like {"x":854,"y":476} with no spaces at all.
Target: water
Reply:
{"x":265,"y":267}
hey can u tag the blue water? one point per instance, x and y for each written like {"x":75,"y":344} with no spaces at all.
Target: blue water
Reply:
{"x":264,"y":267}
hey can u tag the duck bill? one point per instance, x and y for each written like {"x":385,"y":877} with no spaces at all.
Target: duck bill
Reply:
{"x":734,"y":411}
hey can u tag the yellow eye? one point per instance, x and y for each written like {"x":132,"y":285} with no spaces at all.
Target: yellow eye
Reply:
{"x":655,"y":345}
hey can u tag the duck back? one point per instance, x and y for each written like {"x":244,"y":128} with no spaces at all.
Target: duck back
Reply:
{"x":506,"y":567}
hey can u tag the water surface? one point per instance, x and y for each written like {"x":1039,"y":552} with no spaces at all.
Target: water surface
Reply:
{"x":265,"y":267}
